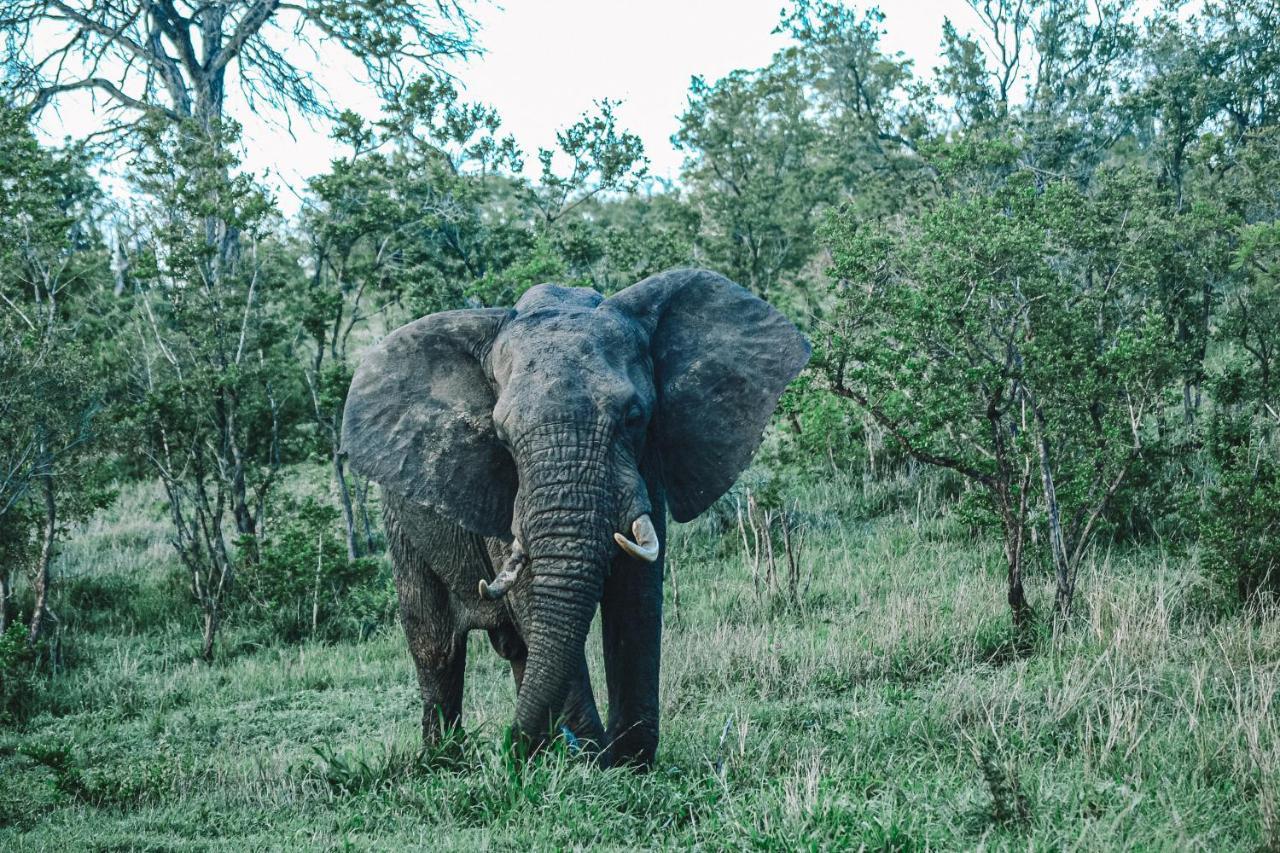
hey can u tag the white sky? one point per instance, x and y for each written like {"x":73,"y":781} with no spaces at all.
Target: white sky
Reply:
{"x":546,"y":61}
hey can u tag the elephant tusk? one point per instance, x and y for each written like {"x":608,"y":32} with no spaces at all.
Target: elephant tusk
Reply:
{"x":646,"y":545}
{"x":507,"y":576}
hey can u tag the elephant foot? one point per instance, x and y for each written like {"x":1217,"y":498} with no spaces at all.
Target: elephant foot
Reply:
{"x":635,"y":746}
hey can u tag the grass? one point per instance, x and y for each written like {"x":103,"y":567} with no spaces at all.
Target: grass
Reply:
{"x":892,"y":709}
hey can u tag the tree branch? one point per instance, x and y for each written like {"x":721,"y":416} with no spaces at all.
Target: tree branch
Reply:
{"x":840,"y":390}
{"x":177,"y":28}
{"x":114,"y":35}
{"x":245,"y":30}
{"x":43,"y":96}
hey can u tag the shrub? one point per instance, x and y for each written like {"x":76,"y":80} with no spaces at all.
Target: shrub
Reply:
{"x":17,"y":674}
{"x":1240,"y":525}
{"x":303,"y":584}
{"x":1009,"y":334}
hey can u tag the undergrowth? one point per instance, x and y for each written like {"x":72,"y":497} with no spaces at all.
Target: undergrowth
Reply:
{"x":893,"y":707}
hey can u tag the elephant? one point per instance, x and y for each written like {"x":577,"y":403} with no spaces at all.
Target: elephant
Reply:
{"x":527,"y":458}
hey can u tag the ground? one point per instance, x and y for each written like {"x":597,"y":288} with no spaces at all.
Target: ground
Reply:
{"x":891,"y":709}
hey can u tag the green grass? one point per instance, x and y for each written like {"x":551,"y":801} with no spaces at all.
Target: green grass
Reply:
{"x":892,"y":710}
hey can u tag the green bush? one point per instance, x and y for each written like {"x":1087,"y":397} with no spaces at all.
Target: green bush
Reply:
{"x":17,"y":674}
{"x":1240,"y":524}
{"x":303,"y":585}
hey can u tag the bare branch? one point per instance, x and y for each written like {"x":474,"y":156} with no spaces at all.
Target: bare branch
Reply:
{"x":46,"y":94}
{"x":247,"y":28}
{"x":114,"y":35}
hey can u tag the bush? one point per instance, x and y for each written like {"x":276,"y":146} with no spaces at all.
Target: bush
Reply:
{"x":303,"y":585}
{"x":1240,"y":525}
{"x":17,"y":674}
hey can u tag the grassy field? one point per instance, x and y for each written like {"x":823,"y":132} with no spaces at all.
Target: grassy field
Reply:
{"x":889,"y":710}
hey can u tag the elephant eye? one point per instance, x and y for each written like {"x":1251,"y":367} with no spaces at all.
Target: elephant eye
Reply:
{"x":635,"y":417}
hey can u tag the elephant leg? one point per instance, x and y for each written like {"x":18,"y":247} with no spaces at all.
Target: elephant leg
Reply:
{"x":631,"y":618}
{"x":580,"y":714}
{"x":438,"y":647}
{"x":510,"y":647}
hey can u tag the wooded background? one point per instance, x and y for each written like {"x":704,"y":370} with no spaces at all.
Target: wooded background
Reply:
{"x":1042,"y":283}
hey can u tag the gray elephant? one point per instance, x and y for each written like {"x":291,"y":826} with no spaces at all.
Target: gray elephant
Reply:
{"x":527,"y":458}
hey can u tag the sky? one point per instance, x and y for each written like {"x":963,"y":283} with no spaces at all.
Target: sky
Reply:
{"x":546,"y":61}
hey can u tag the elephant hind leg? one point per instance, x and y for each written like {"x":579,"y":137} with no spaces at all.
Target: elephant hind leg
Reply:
{"x":510,"y":647}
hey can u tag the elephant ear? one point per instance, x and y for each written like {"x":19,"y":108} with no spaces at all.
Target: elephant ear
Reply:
{"x":721,"y":359}
{"x":419,"y":420}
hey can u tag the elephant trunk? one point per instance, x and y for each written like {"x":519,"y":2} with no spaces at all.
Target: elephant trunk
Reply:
{"x":566,"y":511}
{"x":562,"y":602}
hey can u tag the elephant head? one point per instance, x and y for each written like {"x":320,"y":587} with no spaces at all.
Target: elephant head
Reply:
{"x":559,"y":424}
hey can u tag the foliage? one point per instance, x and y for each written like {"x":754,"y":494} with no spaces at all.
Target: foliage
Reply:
{"x":304,"y":586}
{"x":1007,"y":334}
{"x":16,"y":673}
{"x":601,"y":156}
{"x":52,"y":385}
{"x":213,"y":377}
{"x":1241,"y":528}
{"x":1240,"y":524}
{"x":755,"y":168}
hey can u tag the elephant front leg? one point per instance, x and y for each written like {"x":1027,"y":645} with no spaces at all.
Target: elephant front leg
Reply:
{"x":580,"y":714}
{"x":631,"y":617}
{"x":438,"y":647}
{"x":440,"y":679}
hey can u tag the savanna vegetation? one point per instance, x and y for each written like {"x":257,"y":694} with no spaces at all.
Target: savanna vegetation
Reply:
{"x":1003,"y":575}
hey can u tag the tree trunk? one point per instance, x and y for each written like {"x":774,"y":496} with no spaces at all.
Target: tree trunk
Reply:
{"x":344,"y":498}
{"x":1063,"y":566}
{"x":362,"y":496}
{"x":210,"y":631}
{"x":315,"y":589}
{"x":1064,"y":571}
{"x":41,"y":580}
{"x":6,"y":592}
{"x":240,"y":508}
{"x":1014,"y":537}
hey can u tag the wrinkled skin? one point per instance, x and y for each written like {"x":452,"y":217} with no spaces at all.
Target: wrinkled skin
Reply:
{"x":546,"y":430}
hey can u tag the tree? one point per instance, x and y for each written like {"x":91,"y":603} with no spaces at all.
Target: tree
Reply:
{"x":769,"y":150}
{"x":753,"y":171}
{"x":634,"y":237}
{"x":551,"y":229}
{"x":212,"y":371}
{"x":50,"y":263}
{"x":162,"y":68}
{"x":166,"y":64}
{"x":174,"y":57}
{"x":417,"y":222}
{"x":1009,"y":335}
{"x":867,"y":103}
{"x":602,"y":158}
